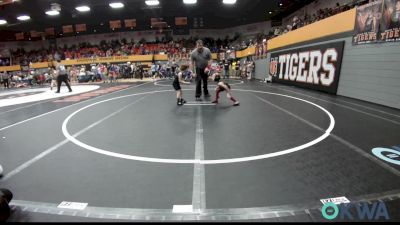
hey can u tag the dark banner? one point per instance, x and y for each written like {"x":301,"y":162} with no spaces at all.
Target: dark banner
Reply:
{"x":390,"y":24}
{"x":181,"y":31}
{"x":5,"y":61}
{"x":368,"y":21}
{"x":316,"y":67}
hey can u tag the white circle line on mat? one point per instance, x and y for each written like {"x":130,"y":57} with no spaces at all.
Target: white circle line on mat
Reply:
{"x":191,"y":161}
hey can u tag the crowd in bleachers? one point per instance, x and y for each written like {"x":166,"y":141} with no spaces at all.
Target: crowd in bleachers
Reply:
{"x":110,"y":73}
{"x":168,"y":47}
{"x":114,"y":48}
{"x":298,"y":22}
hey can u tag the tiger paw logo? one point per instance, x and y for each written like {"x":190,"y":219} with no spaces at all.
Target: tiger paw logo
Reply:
{"x":273,"y":67}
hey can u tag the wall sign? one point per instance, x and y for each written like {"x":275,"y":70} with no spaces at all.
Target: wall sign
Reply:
{"x":316,"y":67}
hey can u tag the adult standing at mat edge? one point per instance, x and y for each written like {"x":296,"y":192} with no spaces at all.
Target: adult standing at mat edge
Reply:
{"x":62,"y":76}
{"x":4,"y":78}
{"x":200,"y":60}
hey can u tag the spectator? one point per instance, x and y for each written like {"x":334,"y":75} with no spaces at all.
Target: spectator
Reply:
{"x":5,"y":79}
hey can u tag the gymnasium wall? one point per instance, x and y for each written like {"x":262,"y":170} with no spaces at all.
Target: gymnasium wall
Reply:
{"x":27,"y":45}
{"x":313,"y":8}
{"x":369,"y":72}
{"x":150,"y":36}
{"x":334,"y":25}
{"x":95,"y":39}
{"x":262,"y":68}
{"x":245,"y":31}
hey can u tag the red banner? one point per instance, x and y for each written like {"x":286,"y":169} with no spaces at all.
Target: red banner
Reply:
{"x":50,"y":31}
{"x":367,"y":23}
{"x":115,"y":24}
{"x":19,"y":36}
{"x":5,"y":2}
{"x":181,"y":21}
{"x":80,"y":27}
{"x":34,"y":34}
{"x":390,"y":25}
{"x":130,"y":23}
{"x":158,"y":22}
{"x":155,"y":20}
{"x":68,"y":29}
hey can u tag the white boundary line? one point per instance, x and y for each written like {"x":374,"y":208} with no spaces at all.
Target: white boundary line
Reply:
{"x":157,"y":83}
{"x":199,"y":188}
{"x":27,"y":106}
{"x":343,"y":106}
{"x":199,"y":104}
{"x":180,"y":161}
{"x":236,"y":214}
{"x":84,"y":101}
{"x":46,"y":95}
{"x":28,"y":90}
{"x":57,"y":146}
{"x":339,"y":139}
{"x":341,"y":100}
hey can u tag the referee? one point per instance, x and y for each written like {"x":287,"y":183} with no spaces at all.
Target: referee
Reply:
{"x":62,"y":76}
{"x":201,"y":59}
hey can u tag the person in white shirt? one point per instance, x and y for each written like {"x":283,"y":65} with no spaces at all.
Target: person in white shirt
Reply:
{"x":62,"y":76}
{"x":53,"y":76}
{"x":5,"y":79}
